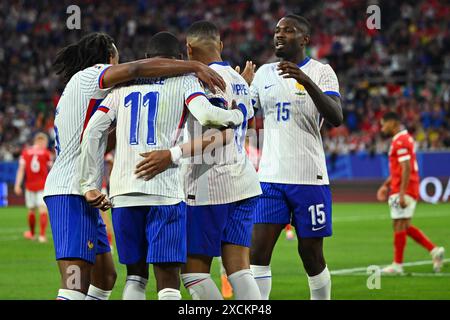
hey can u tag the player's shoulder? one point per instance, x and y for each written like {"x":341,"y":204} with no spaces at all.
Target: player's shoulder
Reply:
{"x":25,"y":150}
{"x":264,"y":72}
{"x":92,"y":71}
{"x":267,"y":67}
{"x":402,"y":138}
{"x":319,"y":65}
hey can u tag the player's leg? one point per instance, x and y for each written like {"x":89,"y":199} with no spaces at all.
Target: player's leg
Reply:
{"x":236,"y":241}
{"x":103,"y":274}
{"x":237,"y":263}
{"x":166,"y":237}
{"x":136,"y":282}
{"x":437,"y":253}
{"x":167,"y":277}
{"x":197,"y":280}
{"x":43,"y":217}
{"x":129,"y":229}
{"x":205,"y":225}
{"x":312,"y":219}
{"x":74,"y":228}
{"x":401,"y":220}
{"x":109,"y":228}
{"x":319,"y":279}
{"x":75,"y":279}
{"x":270,"y":216}
{"x":30,"y":204}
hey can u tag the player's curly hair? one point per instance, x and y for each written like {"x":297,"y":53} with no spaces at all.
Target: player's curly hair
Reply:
{"x":92,"y":48}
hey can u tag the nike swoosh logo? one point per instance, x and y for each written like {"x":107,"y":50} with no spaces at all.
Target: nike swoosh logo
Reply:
{"x":317,"y":229}
{"x":267,"y":87}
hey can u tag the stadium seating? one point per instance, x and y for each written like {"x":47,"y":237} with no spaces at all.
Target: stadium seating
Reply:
{"x":405,"y":66}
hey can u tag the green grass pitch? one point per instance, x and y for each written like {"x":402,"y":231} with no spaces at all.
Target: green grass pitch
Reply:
{"x":362,"y":237}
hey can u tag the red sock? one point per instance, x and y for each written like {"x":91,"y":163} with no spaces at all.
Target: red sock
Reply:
{"x":420,"y":238}
{"x":31,"y":221}
{"x":399,"y":246}
{"x":43,"y":220}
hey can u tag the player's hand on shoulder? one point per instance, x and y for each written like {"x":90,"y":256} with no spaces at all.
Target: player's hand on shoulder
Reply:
{"x":249,"y":72}
{"x":18,"y":190}
{"x":154,"y":163}
{"x":210,"y":78}
{"x":98,"y":200}
{"x":290,"y":70}
{"x":382,"y":193}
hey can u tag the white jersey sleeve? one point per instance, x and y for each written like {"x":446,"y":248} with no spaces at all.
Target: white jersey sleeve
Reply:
{"x":91,"y":79}
{"x":79,"y":101}
{"x":94,"y":143}
{"x":202,"y":110}
{"x":328,"y":81}
{"x":230,"y":177}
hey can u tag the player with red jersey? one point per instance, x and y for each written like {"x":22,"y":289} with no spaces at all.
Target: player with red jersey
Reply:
{"x":403,"y":183}
{"x":34,"y":166}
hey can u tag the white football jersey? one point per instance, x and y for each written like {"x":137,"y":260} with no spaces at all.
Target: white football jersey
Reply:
{"x":232,"y":177}
{"x":149,"y":115}
{"x":292,"y":148}
{"x":79,"y":100}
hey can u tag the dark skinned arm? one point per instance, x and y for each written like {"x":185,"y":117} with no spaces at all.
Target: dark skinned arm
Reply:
{"x":161,"y":67}
{"x":159,"y":161}
{"x":383,"y":190}
{"x":329,"y":106}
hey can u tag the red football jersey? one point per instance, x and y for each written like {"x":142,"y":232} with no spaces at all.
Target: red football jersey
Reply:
{"x":37,"y":162}
{"x":402,"y":149}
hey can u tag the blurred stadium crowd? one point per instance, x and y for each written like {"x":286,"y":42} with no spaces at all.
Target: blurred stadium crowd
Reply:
{"x":404,"y":66}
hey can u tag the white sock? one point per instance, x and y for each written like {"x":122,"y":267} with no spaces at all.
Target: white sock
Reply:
{"x":320,"y":285}
{"x":263,"y":277}
{"x":95,"y":293}
{"x":66,"y":294}
{"x":201,"y":286}
{"x":169,"y":294}
{"x":244,"y":285}
{"x":134,"y":288}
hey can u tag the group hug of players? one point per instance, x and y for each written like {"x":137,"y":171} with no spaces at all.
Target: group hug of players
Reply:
{"x":170,"y":207}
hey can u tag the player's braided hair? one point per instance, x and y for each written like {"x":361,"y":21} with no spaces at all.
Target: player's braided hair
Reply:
{"x":91,"y":49}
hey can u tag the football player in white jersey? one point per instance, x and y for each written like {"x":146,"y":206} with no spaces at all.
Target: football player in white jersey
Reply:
{"x":294,"y":96}
{"x":149,"y":217}
{"x":89,"y":67}
{"x":220,"y":196}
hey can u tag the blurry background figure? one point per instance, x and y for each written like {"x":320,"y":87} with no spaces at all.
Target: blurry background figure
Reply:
{"x":290,"y":235}
{"x":34,"y":165}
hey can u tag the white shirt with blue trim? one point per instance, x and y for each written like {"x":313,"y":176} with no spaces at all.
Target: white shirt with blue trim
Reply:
{"x":79,"y":101}
{"x":292,"y":151}
{"x":231,"y":176}
{"x":149,"y":115}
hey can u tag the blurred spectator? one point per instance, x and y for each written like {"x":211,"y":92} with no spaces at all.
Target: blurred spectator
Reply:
{"x":405,"y":66}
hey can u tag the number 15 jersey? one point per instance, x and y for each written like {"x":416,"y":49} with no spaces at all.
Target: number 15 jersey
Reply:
{"x":292,"y":150}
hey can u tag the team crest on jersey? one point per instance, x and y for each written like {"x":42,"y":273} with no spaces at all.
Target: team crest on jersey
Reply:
{"x":90,"y":245}
{"x":301,"y":89}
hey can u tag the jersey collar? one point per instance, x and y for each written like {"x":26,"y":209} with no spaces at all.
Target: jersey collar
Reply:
{"x":220,"y":63}
{"x":400,"y":133}
{"x":305,"y":61}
